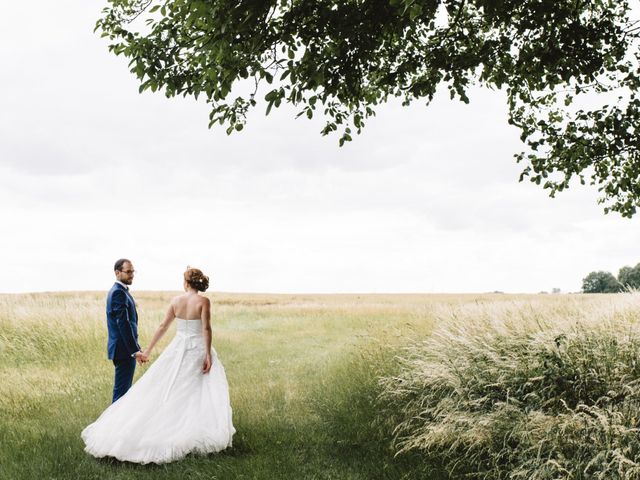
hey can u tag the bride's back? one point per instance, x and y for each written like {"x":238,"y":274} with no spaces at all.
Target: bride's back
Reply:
{"x":188,"y":306}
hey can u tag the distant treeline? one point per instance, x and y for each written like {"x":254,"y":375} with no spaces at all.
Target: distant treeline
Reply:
{"x":606,"y":282}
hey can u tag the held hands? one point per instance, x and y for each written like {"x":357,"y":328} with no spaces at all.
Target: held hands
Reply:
{"x":206,"y":365}
{"x":142,"y":357}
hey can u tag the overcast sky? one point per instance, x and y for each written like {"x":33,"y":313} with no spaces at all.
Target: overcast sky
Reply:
{"x":425,"y":200}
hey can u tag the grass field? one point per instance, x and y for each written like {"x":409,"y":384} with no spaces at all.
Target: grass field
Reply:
{"x":303,"y":372}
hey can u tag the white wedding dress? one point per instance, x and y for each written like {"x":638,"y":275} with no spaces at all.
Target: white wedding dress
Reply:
{"x":172,"y":410}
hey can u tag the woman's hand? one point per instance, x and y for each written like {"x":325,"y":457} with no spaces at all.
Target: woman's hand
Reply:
{"x":206,"y":365}
{"x":142,"y":357}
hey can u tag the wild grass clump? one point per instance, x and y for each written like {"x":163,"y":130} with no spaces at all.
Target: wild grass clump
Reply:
{"x":525,"y":391}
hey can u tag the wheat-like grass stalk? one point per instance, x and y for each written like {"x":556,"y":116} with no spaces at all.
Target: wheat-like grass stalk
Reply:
{"x":525,"y":389}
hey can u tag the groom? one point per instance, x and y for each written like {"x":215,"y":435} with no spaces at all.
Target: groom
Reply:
{"x":122,"y":324}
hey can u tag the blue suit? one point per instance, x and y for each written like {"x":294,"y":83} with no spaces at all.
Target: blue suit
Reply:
{"x":122,"y":324}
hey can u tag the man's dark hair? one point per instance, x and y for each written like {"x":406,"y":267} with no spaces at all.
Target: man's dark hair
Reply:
{"x":118,"y":265}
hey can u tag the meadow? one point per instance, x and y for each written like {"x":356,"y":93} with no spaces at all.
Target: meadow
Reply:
{"x":304,"y":373}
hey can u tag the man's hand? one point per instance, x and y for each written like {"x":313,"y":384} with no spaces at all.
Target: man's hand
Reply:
{"x":206,"y":365}
{"x":142,"y":357}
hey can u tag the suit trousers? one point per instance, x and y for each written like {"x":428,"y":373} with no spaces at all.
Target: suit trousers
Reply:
{"x":125,"y":368}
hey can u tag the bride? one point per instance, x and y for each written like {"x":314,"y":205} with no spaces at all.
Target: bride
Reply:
{"x":181,"y":404}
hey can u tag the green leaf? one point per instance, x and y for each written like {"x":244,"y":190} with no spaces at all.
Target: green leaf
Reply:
{"x":269,"y":107}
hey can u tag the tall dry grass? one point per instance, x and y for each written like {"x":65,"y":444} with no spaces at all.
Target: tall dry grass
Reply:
{"x":303,"y":373}
{"x":524,"y":390}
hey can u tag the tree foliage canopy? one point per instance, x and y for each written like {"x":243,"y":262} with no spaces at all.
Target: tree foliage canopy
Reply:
{"x":570,"y":68}
{"x":629,"y":277}
{"x":600,"y":282}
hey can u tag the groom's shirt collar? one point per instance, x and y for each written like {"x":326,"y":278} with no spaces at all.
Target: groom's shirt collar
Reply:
{"x":126,"y":287}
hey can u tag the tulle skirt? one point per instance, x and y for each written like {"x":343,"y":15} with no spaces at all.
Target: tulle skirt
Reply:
{"x":172,"y":410}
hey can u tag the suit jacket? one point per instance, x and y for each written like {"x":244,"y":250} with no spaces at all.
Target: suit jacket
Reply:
{"x":122,"y":323}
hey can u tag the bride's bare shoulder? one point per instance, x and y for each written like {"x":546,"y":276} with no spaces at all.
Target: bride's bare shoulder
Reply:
{"x":177,"y":299}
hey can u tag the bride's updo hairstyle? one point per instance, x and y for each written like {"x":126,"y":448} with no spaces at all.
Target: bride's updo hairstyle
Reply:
{"x":196,"y":279}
